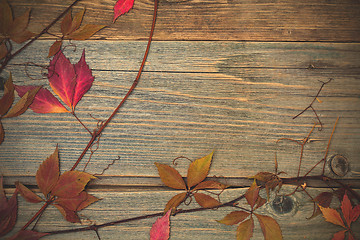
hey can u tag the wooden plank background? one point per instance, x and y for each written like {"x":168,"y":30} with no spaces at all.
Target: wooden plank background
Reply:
{"x":221,"y":75}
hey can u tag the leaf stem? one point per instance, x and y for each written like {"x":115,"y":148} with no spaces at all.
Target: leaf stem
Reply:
{"x":131,"y":89}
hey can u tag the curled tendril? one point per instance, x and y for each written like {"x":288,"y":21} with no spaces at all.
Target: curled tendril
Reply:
{"x":108,"y":166}
{"x":174,"y":161}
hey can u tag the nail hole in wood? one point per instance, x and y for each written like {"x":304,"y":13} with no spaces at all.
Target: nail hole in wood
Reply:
{"x":283,"y":204}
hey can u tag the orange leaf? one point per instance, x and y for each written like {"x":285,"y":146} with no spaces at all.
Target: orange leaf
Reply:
{"x":6,"y":17}
{"x":66,"y":23}
{"x":85,"y":32}
{"x":48,"y":173}
{"x":75,"y":24}
{"x":77,"y":202}
{"x":269,"y":227}
{"x":8,"y":211}
{"x":3,"y":50}
{"x":198,"y":170}
{"x":252,"y":194}
{"x":234,"y":217}
{"x":209,"y":185}
{"x":339,"y":235}
{"x":71,"y":183}
{"x":26,"y":193}
{"x":23,"y":104}
{"x":8,"y":98}
{"x":70,"y":216}
{"x":175,"y":201}
{"x":55,"y":47}
{"x":206,"y":201}
{"x":346,"y":209}
{"x":332,"y":216}
{"x":245,"y":230}
{"x":170,"y":176}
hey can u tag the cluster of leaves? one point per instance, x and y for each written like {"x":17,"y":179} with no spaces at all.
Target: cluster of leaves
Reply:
{"x":64,"y":191}
{"x":197,"y":172}
{"x":269,"y":226}
{"x":69,"y":81}
{"x":7,"y":100}
{"x":14,"y":29}
{"x":349,"y":215}
{"x":71,"y":30}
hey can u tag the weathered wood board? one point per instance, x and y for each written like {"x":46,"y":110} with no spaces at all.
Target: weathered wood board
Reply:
{"x":227,"y":76}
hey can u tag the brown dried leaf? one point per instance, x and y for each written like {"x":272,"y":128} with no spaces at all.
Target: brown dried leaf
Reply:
{"x":252,"y":194}
{"x":260,"y":202}
{"x":206,"y":201}
{"x":26,"y":193}
{"x":55,"y":47}
{"x":71,"y":183}
{"x":269,"y":227}
{"x":8,"y":98}
{"x":6,"y":17}
{"x":234,"y":217}
{"x":245,"y":230}
{"x":22,"y":36}
{"x":66,"y":23}
{"x":19,"y":24}
{"x":76,"y":22}
{"x":175,"y":201}
{"x":323,"y":199}
{"x":28,"y":235}
{"x":198,"y":170}
{"x":23,"y":104}
{"x":8,"y":211}
{"x":48,"y":173}
{"x":85,"y":32}
{"x":170,"y":176}
{"x":77,"y":202}
{"x":2,"y":133}
{"x":209,"y":185}
{"x":70,"y":216}
{"x":3,"y":50}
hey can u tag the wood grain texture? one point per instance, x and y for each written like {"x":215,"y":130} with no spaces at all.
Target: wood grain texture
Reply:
{"x":201,"y":225}
{"x":237,"y":100}
{"x":261,"y":20}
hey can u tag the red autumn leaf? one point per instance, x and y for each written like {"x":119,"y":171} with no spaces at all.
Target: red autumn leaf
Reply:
{"x":85,"y":32}
{"x":355,"y":213}
{"x":55,"y":48}
{"x":26,"y":193}
{"x":8,"y":211}
{"x":339,"y":235}
{"x":48,"y":173}
{"x":269,"y":227}
{"x":121,"y":7}
{"x":175,"y":201}
{"x":28,"y":235}
{"x":332,"y":216}
{"x":160,"y":230}
{"x":234,"y":217}
{"x":23,"y":104}
{"x":170,"y":176}
{"x":206,"y":201}
{"x":346,"y":209}
{"x":252,"y":194}
{"x":351,"y":237}
{"x":71,"y":183}
{"x":209,"y":185}
{"x":84,"y":79}
{"x":70,"y":82}
{"x":44,"y":101}
{"x":78,"y":202}
{"x":323,"y":199}
{"x":8,"y":98}
{"x":245,"y":230}
{"x":198,"y":170}
{"x":62,"y":78}
{"x":69,"y":215}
